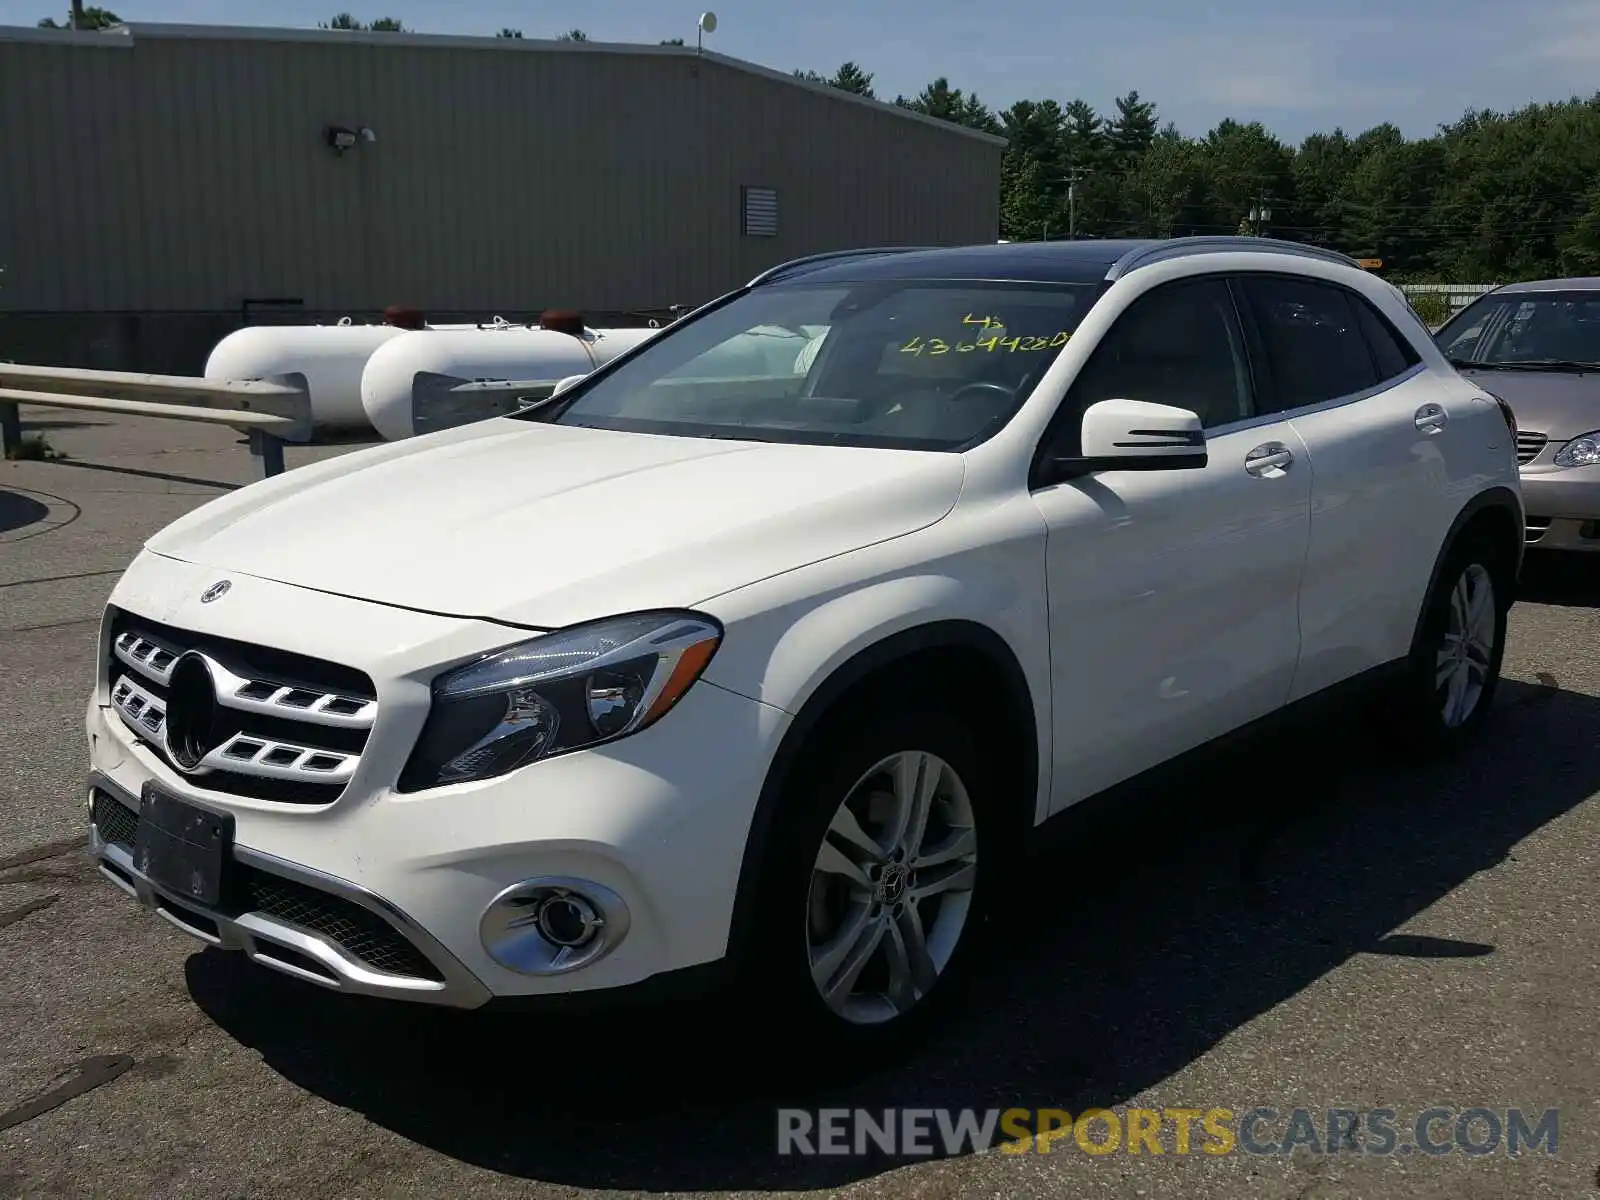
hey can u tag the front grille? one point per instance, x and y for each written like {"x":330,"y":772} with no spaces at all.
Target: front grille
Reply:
{"x":1535,"y":528}
{"x":116,"y":822}
{"x":360,"y":932}
{"x":1529,"y":445}
{"x":253,"y":721}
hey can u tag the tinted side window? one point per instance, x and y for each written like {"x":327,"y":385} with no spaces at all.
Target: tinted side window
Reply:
{"x":1392,"y":353}
{"x":1314,"y":347}
{"x":1177,"y":345}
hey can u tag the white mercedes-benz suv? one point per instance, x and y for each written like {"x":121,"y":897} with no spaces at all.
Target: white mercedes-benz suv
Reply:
{"x":762,"y":650}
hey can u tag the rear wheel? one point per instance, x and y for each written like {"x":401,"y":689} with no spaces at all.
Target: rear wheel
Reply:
{"x":1454,"y":668}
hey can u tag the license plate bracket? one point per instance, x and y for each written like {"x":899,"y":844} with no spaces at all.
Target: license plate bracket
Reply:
{"x":184,"y":847}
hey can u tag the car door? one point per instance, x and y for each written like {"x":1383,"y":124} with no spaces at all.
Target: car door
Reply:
{"x":1375,"y":422}
{"x":1172,"y":594}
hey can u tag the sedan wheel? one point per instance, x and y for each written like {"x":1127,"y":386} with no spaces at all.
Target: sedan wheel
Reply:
{"x":891,"y":888}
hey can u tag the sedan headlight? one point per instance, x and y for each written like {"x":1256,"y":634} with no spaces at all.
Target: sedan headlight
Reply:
{"x":563,"y":691}
{"x":1582,"y":451}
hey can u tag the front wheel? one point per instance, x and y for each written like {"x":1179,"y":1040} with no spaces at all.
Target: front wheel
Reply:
{"x":874,"y":882}
{"x":891,"y":888}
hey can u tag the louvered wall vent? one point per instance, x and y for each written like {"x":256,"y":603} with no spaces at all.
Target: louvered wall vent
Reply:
{"x":760,"y":212}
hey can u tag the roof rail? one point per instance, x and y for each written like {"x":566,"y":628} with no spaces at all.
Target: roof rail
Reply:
{"x":1181,"y":247}
{"x":795,"y":265}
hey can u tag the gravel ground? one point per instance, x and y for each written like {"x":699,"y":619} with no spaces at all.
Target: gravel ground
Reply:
{"x":1345,"y":932}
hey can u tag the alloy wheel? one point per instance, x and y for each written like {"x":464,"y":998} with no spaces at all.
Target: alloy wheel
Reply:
{"x":891,"y":887}
{"x":1466,"y":654}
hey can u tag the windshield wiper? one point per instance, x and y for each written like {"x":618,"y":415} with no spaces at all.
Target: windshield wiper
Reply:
{"x":1528,"y":364}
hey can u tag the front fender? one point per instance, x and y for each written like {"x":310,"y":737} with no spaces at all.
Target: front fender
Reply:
{"x":786,"y":656}
{"x":799,"y":642}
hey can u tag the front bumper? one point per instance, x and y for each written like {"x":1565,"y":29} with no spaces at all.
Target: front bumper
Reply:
{"x":1563,"y":506}
{"x":296,"y":920}
{"x":381,"y":893}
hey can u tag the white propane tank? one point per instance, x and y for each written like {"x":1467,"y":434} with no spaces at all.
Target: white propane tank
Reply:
{"x":472,"y":354}
{"x":609,"y":343}
{"x":331,"y":357}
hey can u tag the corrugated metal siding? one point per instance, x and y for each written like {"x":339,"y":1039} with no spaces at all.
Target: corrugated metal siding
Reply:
{"x":190,"y":173}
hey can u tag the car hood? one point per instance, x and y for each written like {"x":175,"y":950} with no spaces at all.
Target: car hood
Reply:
{"x":1558,"y":404}
{"x":543,"y":525}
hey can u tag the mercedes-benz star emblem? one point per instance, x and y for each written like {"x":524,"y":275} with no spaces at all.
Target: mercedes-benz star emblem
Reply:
{"x":219,"y":588}
{"x":192,"y":714}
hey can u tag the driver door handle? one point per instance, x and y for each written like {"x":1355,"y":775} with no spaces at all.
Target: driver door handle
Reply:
{"x":1431,"y":418}
{"x":1270,"y":460}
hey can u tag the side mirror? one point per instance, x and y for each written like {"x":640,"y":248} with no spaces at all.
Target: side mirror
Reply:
{"x":1132,"y":435}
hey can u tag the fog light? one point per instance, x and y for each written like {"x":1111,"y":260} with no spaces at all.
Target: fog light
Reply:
{"x":550,"y":926}
{"x":569,"y":920}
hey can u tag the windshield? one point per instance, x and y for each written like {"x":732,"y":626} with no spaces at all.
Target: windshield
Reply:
{"x":1526,"y":329}
{"x":924,"y":365}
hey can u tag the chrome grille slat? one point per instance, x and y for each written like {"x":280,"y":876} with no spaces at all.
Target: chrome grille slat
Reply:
{"x":283,"y":726}
{"x":151,"y":660}
{"x":251,"y":755}
{"x":141,"y":711}
{"x":1529,"y":445}
{"x":231,"y":689}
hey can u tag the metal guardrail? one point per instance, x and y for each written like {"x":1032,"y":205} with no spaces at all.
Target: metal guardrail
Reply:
{"x":446,"y":401}
{"x":270,"y":411}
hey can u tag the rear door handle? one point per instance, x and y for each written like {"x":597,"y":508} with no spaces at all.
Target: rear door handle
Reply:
{"x":1271,"y":460}
{"x":1431,"y":418}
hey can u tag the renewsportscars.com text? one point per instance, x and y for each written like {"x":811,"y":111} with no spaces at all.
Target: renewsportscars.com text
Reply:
{"x":1262,"y":1130}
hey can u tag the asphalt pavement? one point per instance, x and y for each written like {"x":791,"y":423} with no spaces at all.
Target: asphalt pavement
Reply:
{"x":1307,"y":924}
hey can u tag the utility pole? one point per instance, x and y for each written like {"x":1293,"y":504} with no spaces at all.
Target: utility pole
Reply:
{"x":1075,"y":175}
{"x":77,"y":14}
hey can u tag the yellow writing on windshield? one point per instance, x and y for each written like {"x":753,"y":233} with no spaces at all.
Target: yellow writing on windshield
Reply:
{"x":989,"y":345}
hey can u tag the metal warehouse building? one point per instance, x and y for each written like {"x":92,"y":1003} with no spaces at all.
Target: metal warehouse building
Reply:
{"x":160,"y":184}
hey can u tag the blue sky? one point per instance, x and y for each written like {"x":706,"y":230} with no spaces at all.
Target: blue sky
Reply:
{"x":1290,"y":65}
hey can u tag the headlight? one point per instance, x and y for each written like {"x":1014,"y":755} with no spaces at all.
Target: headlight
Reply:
{"x":563,"y":691}
{"x":1583,"y":451}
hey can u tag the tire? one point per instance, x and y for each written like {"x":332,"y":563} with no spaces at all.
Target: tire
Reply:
{"x":821,"y":880}
{"x":1453,"y":670}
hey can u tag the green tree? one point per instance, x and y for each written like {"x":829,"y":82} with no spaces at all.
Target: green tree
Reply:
{"x":93,"y":18}
{"x":1084,"y":143}
{"x":1031,"y":172}
{"x":1166,"y":190}
{"x":573,"y":35}
{"x":851,"y":78}
{"x":848,"y":78}
{"x":1579,"y":247}
{"x":510,"y":34}
{"x":1131,"y":130}
{"x":347,"y":22}
{"x":946,"y":103}
{"x":672,"y":41}
{"x":1245,"y":165}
